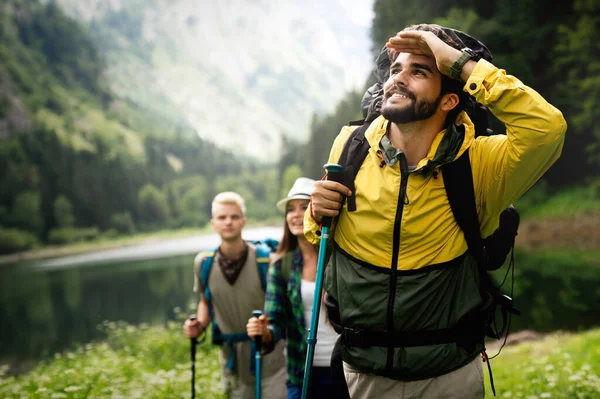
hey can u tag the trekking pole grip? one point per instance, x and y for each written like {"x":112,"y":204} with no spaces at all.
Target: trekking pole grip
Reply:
{"x":333,"y":170}
{"x":194,"y":341}
{"x":258,"y":338}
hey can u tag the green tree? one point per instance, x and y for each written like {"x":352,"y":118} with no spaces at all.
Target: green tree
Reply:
{"x":289,"y":177}
{"x":152,"y":206}
{"x":63,"y":212}
{"x":194,"y":207}
{"x":324,"y":130}
{"x":578,"y":53}
{"x":122,"y":222}
{"x":26,"y":212}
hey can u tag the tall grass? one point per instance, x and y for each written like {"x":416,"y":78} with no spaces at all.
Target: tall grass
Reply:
{"x":154,"y":363}
{"x":150,"y":362}
{"x":542,"y":202}
{"x":560,"y":366}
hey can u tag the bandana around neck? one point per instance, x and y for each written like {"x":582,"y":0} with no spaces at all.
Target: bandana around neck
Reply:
{"x":232,"y":267}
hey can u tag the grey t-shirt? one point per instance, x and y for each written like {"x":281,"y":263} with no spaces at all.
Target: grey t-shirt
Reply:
{"x":232,"y":307}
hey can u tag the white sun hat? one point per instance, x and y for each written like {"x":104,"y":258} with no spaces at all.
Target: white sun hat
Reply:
{"x":302,"y":189}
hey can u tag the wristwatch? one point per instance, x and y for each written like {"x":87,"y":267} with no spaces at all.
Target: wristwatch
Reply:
{"x":456,"y":68}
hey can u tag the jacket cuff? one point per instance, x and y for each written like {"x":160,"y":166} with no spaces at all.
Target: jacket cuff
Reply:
{"x":482,"y":71}
{"x":312,"y":228}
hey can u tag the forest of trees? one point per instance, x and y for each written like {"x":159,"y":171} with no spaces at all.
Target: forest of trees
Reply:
{"x":76,"y":162}
{"x":554,"y":50}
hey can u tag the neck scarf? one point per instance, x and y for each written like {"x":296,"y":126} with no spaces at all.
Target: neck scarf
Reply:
{"x":232,"y":267}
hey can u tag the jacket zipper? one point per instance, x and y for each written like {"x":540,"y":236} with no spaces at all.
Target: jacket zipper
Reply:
{"x":395,"y":250}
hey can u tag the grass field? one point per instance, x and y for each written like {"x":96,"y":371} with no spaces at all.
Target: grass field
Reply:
{"x":154,"y":363}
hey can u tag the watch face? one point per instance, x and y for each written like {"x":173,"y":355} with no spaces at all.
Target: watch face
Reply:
{"x":471,"y":53}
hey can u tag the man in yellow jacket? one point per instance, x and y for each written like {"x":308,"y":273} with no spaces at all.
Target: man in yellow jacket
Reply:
{"x":399,"y":264}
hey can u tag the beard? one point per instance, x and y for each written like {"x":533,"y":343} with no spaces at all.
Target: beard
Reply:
{"x":412,"y":112}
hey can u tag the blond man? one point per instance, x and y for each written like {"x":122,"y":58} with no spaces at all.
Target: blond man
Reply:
{"x":235,"y":290}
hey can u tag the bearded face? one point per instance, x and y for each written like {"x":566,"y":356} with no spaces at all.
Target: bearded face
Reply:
{"x":413,"y":91}
{"x":400,"y":105}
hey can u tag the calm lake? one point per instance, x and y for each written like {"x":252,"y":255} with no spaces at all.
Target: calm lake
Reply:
{"x":51,"y":305}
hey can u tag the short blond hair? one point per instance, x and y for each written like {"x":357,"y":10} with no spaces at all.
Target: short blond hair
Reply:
{"x":229,"y":197}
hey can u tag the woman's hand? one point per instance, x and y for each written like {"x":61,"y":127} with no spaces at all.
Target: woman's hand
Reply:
{"x":258,"y":327}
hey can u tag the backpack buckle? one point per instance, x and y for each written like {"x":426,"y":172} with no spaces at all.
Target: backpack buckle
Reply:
{"x":352,"y":337}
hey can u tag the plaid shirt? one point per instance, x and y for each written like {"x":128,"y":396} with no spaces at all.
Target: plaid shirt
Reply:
{"x":283,"y":306}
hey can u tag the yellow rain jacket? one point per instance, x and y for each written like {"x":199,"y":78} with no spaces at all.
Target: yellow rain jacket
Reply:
{"x":403,"y":220}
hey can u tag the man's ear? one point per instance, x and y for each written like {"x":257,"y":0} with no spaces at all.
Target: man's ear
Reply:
{"x":449,"y":102}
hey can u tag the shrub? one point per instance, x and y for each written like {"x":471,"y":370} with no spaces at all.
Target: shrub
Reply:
{"x":64,"y":235}
{"x":15,"y":240}
{"x":122,"y":222}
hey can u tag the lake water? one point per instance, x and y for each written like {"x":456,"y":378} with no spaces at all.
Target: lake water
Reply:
{"x":51,"y":305}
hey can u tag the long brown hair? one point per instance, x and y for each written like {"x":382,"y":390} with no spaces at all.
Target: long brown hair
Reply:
{"x":289,"y":242}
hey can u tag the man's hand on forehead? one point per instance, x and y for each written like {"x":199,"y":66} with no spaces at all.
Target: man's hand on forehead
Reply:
{"x":427,"y":44}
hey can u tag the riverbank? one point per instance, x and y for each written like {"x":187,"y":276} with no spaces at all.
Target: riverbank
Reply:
{"x":580,"y":231}
{"x":102,"y":244}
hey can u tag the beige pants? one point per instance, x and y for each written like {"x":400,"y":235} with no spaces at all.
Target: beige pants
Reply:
{"x":464,"y":383}
{"x":271,"y":387}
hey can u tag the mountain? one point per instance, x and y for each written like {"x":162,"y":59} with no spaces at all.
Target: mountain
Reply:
{"x":77,"y":161}
{"x":242,"y":73}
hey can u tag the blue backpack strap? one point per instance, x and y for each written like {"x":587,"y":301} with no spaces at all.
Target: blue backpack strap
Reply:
{"x":262,"y":262}
{"x":229,"y":340}
{"x":205,"y":268}
{"x":263,"y":250}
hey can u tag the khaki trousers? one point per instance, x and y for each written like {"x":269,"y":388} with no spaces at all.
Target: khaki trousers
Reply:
{"x":464,"y":383}
{"x":272,"y":387}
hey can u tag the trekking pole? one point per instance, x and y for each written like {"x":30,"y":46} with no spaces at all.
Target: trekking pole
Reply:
{"x":257,"y":356}
{"x":314,"y":318}
{"x":194,"y":342}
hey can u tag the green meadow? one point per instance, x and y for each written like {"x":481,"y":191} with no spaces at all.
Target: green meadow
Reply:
{"x":154,"y":363}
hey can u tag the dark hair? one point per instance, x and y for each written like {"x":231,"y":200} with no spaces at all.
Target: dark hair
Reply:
{"x":289,"y":242}
{"x":449,"y":85}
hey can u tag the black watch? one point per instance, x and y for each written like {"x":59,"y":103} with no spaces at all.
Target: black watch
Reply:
{"x":465,"y":55}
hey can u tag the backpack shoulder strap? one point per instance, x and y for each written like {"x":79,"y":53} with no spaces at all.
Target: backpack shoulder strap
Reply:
{"x":262,"y":263}
{"x":458,"y":180}
{"x":205,"y":268}
{"x":353,"y":154}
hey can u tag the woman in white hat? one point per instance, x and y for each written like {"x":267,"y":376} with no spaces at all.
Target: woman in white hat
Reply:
{"x":289,"y":300}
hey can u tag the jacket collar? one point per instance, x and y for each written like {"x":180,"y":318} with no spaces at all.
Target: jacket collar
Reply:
{"x":447,"y":145}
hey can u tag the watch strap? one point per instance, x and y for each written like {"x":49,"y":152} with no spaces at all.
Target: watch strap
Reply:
{"x":457,"y":66}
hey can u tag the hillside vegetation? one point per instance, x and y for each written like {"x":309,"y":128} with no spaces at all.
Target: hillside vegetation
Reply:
{"x":78,"y":162}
